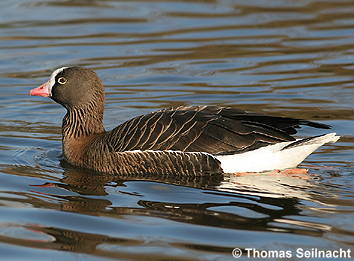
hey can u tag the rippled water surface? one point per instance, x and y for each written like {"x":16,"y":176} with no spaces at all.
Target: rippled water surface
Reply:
{"x":279,"y":57}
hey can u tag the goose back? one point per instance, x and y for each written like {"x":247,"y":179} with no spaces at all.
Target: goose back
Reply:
{"x":211,"y":129}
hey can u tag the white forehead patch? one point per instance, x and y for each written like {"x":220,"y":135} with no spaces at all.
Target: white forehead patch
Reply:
{"x":51,"y":81}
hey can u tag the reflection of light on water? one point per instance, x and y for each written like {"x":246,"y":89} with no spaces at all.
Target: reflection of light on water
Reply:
{"x":20,"y":232}
{"x":269,"y":185}
{"x":322,"y":227}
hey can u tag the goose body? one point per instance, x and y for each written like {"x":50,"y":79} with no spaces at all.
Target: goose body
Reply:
{"x":186,"y":140}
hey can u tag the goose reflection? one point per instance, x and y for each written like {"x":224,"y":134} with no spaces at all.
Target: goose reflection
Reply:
{"x":246,"y":202}
{"x":272,"y":185}
{"x":212,"y":203}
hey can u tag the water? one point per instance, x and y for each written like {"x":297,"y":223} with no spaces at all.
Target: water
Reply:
{"x":291,"y":58}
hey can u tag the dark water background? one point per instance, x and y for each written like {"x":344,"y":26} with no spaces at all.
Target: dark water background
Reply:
{"x":279,"y":57}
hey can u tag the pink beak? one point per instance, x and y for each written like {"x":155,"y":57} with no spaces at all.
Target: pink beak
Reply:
{"x":42,"y":90}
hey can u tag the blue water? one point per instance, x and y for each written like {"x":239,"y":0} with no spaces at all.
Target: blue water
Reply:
{"x":285,"y":58}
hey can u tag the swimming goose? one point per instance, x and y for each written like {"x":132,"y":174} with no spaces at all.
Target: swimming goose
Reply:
{"x":186,"y":140}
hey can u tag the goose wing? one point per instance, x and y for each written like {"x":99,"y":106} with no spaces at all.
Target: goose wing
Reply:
{"x":211,"y":129}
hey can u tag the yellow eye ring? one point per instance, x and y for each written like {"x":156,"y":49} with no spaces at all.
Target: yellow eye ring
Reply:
{"x":62,"y":80}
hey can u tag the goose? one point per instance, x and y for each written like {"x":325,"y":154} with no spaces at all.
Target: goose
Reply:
{"x":184,"y":140}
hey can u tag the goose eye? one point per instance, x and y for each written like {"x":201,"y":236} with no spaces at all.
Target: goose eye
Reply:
{"x":62,"y":80}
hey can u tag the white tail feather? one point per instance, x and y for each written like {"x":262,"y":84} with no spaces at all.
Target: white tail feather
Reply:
{"x":277,"y":156}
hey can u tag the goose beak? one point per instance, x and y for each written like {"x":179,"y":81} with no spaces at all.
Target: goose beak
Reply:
{"x":42,"y":90}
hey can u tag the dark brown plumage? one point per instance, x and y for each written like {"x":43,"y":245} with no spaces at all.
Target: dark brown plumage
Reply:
{"x":178,"y":141}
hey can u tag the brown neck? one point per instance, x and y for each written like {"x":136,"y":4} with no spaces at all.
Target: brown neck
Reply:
{"x":83,"y":121}
{"x":80,"y":126}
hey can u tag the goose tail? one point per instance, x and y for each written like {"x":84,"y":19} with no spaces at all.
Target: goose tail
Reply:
{"x":283,"y":155}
